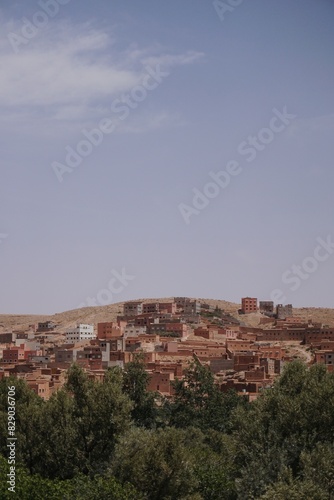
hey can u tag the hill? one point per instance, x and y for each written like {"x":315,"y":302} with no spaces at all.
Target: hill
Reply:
{"x":109,"y":312}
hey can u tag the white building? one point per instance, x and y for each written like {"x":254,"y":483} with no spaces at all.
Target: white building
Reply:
{"x":79,"y":333}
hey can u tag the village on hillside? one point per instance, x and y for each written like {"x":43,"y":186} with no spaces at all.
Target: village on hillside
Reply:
{"x":169,"y":335}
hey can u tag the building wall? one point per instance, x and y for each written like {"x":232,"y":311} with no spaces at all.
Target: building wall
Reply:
{"x":180,"y":302}
{"x":255,"y":375}
{"x":108,"y":330}
{"x":248,"y":305}
{"x":266,"y":306}
{"x":238,"y":345}
{"x":41,"y":388}
{"x":80,"y":332}
{"x":207,"y":353}
{"x":169,"y":307}
{"x":150,"y":307}
{"x":284,"y":311}
{"x":157,"y":328}
{"x":204,"y":332}
{"x":221,"y":364}
{"x":46,"y":326}
{"x":65,"y":356}
{"x":133,"y":331}
{"x":7,"y":338}
{"x":161,"y":382}
{"x":193,"y":307}
{"x":132,"y":308}
{"x":13,"y":355}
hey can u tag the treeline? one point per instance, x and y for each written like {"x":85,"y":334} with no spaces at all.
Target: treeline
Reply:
{"x":115,"y":440}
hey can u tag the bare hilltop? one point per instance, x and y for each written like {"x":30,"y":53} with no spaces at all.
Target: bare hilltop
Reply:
{"x":109,"y":312}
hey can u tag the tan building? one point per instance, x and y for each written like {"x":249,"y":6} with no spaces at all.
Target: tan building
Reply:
{"x":108,"y":330}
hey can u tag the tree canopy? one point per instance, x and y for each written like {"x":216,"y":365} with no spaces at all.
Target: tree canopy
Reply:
{"x":115,"y":439}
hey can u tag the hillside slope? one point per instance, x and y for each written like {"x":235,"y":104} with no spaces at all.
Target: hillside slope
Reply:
{"x":109,"y":313}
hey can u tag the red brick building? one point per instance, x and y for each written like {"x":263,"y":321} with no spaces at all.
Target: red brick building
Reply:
{"x":13,"y":355}
{"x":248,"y":305}
{"x":108,"y":330}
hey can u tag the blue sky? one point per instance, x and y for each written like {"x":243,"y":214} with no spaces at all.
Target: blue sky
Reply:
{"x":66,"y":71}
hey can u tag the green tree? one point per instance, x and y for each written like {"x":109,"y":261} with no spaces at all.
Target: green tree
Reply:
{"x":30,"y":487}
{"x":59,"y":456}
{"x":157,"y":462}
{"x":28,"y":407}
{"x":101,"y":412}
{"x":75,"y":431}
{"x":100,"y":488}
{"x":135,"y":383}
{"x":272,"y":433}
{"x":214,"y":466}
{"x":35,"y":487}
{"x":288,"y":488}
{"x":318,"y":467}
{"x":199,"y":402}
{"x":169,"y":463}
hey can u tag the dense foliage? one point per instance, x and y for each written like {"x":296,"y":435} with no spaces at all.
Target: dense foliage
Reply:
{"x":115,"y":440}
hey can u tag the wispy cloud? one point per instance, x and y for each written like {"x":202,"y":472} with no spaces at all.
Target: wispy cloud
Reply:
{"x":74,"y":69}
{"x":70,"y":71}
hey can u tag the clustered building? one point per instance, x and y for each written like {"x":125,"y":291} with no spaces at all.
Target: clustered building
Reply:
{"x":249,"y":305}
{"x":168,"y":334}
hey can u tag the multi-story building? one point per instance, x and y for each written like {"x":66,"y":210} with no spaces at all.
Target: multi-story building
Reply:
{"x":108,"y":330}
{"x":7,"y":338}
{"x":284,"y":312}
{"x":65,"y":355}
{"x":134,"y":331}
{"x":156,"y":327}
{"x":266,"y":306}
{"x":192,"y":307}
{"x":132,"y":308}
{"x":181,"y":302}
{"x":89,"y":353}
{"x":46,"y":326}
{"x":177,"y":329}
{"x":167,"y":307}
{"x":151,"y":308}
{"x":325,"y":357}
{"x":80,"y":332}
{"x":248,"y":305}
{"x":13,"y":355}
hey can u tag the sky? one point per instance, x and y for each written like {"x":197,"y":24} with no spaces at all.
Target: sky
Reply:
{"x":158,"y":149}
